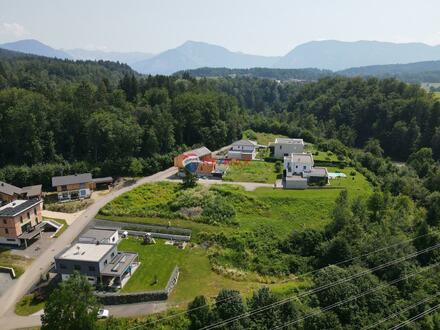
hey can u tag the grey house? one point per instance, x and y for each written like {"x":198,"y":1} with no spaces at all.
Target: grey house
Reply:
{"x":99,"y":263}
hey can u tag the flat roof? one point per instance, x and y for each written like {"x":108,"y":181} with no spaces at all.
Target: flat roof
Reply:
{"x":289,"y":141}
{"x":71,"y":179}
{"x":319,"y":171}
{"x":118,"y":265}
{"x":99,"y":234}
{"x":16,"y":207}
{"x":86,"y":252}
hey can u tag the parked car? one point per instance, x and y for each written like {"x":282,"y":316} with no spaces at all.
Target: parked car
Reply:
{"x":103,"y":314}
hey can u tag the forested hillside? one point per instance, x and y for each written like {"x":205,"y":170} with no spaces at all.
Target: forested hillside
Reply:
{"x":104,"y":117}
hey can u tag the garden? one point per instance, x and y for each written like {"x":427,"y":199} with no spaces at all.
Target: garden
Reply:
{"x":237,"y":234}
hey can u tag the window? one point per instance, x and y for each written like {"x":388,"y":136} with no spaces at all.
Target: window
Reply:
{"x":63,"y":266}
{"x":304,"y":167}
{"x":21,"y":218}
{"x":63,"y":188}
{"x":10,"y":239}
{"x":113,"y":239}
{"x":105,"y":262}
{"x":296,"y":166}
{"x":28,"y":215}
{"x":92,"y":268}
{"x":77,"y":267}
{"x":4,"y":221}
{"x":280,"y":147}
{"x":6,"y":231}
{"x":35,"y":211}
{"x":113,"y":254}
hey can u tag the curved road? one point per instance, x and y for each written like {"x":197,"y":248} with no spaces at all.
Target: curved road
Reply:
{"x":8,"y":319}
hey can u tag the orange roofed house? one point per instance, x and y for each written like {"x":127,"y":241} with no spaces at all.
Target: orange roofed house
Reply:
{"x":21,"y":221}
{"x":206,"y":164}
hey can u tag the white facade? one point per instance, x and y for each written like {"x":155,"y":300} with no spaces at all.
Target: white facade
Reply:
{"x":283,"y":147}
{"x":74,"y":194}
{"x":297,"y":164}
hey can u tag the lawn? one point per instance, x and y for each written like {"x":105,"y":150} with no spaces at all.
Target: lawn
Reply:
{"x":8,"y":259}
{"x":319,"y":155}
{"x":28,"y":305}
{"x":252,"y":171}
{"x":272,"y":213}
{"x":60,"y":221}
{"x":196,"y":274}
{"x":261,"y":138}
{"x":437,"y":95}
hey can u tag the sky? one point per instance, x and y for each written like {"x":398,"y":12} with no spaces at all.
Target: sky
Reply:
{"x":271,"y":27}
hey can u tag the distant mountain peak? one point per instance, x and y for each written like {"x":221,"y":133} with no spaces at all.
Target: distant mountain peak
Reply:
{"x":32,"y":46}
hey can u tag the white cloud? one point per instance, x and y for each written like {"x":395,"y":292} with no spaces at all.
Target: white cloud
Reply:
{"x":12,"y":29}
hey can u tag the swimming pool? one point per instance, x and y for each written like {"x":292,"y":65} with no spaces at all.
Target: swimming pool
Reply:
{"x":333,"y":175}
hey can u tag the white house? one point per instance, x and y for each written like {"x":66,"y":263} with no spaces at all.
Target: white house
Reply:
{"x":100,"y":236}
{"x":284,"y":146}
{"x":243,"y":150}
{"x":297,"y":164}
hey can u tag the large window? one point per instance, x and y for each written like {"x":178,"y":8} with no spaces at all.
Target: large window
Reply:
{"x":77,"y":267}
{"x":92,"y":268}
{"x":63,"y":266}
{"x":6,"y":231}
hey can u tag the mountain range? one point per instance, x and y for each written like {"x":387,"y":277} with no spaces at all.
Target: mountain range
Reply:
{"x":325,"y":55}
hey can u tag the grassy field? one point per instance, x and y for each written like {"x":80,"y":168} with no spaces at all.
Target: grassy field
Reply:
{"x":27,"y":305}
{"x":8,"y":259}
{"x":261,"y":138}
{"x":319,"y":155}
{"x":437,"y":95}
{"x":67,"y":207}
{"x":253,"y":171}
{"x":196,"y":275}
{"x":205,"y":270}
{"x":60,"y":221}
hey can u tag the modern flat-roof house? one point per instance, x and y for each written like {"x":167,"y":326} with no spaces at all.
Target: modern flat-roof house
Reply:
{"x":243,"y":150}
{"x":299,"y":172}
{"x":99,"y":263}
{"x":77,"y":185}
{"x":9,"y":192}
{"x":284,"y":146}
{"x":100,"y":236}
{"x":21,"y":222}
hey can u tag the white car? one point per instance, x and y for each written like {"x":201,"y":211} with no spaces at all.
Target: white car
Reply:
{"x":103,"y":314}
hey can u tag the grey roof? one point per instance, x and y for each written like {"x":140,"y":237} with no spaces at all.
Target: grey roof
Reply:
{"x":85,"y":252}
{"x":107,"y":179}
{"x":199,"y":152}
{"x":9,"y":189}
{"x":32,"y":191}
{"x":71,"y":179}
{"x":118,"y":265}
{"x":98,"y":234}
{"x":288,"y":141}
{"x":19,"y":206}
{"x":245,"y":143}
{"x":318,"y":172}
{"x":300,"y":158}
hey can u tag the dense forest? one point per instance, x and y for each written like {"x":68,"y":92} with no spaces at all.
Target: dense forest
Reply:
{"x":63,"y":116}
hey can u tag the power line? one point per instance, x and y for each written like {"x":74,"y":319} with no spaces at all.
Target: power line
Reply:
{"x":319,"y":289}
{"x":391,"y":316}
{"x":414,"y":318}
{"x":339,"y":303}
{"x":302,"y":275}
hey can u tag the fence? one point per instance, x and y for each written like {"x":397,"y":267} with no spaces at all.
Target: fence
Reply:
{"x":115,"y":298}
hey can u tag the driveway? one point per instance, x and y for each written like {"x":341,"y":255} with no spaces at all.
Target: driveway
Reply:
{"x":8,"y":319}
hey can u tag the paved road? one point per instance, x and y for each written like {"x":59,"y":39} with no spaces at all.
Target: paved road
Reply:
{"x":8,"y":319}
